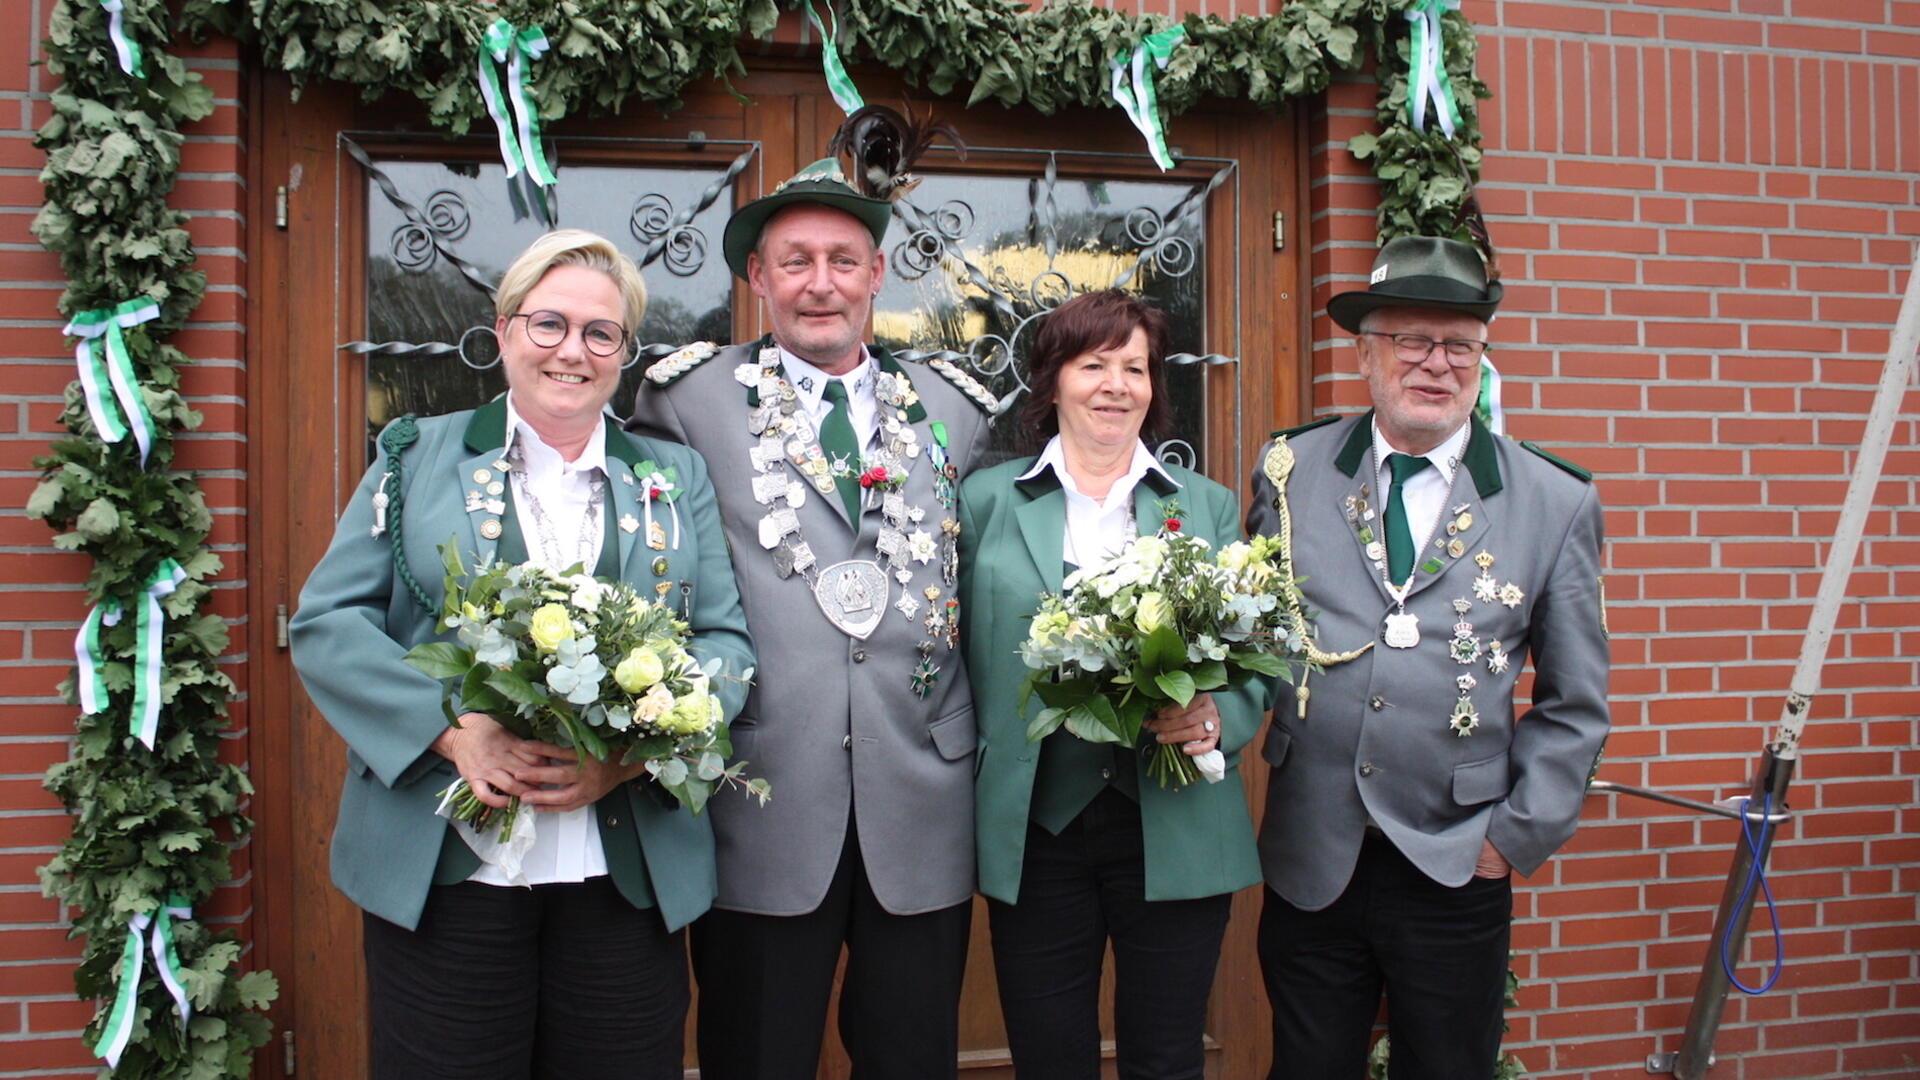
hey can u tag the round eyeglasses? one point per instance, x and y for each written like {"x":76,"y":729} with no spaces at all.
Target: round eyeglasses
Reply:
{"x":547,"y":329}
{"x":1415,"y":348}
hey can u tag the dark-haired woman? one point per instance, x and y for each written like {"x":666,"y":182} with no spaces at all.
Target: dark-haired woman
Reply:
{"x":1077,"y":845}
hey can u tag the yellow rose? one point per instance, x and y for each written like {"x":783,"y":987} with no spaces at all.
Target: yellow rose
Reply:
{"x":1153,"y":613}
{"x":1048,"y":628}
{"x":550,"y":627}
{"x":638,"y":670}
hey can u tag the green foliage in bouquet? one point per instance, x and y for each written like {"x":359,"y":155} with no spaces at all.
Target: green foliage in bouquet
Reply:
{"x":584,"y":663}
{"x":147,"y":825}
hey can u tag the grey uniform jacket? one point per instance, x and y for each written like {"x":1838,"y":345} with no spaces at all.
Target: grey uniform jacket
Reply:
{"x":1376,"y":740}
{"x":834,"y":722}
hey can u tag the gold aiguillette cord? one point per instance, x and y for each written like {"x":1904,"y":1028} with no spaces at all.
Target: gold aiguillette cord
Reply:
{"x":1277,"y":466}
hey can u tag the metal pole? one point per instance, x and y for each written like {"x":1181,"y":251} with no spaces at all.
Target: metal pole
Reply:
{"x":1709,"y":998}
{"x":1776,"y":763}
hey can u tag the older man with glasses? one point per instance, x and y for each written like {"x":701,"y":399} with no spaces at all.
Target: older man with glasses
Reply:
{"x":1438,"y":558}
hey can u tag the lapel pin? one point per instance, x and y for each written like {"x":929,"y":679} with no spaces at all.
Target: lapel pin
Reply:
{"x":628,"y":523}
{"x":490,"y":529}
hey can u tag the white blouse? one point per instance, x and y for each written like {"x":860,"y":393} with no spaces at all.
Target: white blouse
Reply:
{"x":566,"y":846}
{"x":1098,"y":528}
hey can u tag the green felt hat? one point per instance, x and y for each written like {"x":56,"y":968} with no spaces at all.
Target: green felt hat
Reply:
{"x":821,"y":182}
{"x":1422,"y":272}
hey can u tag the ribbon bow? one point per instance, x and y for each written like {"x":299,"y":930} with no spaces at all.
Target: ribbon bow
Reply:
{"x":658,"y":483}
{"x":119,"y":1028}
{"x":143,"y":720}
{"x":1139,"y":101}
{"x":839,"y":83}
{"x":520,"y":145}
{"x":103,"y":360}
{"x":123,"y":46}
{"x":1427,"y":58}
{"x":1487,"y":405}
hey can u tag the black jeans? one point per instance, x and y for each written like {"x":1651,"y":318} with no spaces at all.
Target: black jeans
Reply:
{"x":1440,"y":953}
{"x":1077,"y":890}
{"x":556,"y":982}
{"x":766,"y":980}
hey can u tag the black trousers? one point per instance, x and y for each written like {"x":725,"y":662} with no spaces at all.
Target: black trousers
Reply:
{"x":1078,"y":890}
{"x":765,"y":982}
{"x":556,"y":982}
{"x":1440,"y":953}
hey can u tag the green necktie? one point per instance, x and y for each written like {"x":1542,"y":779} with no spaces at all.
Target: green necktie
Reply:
{"x":1399,"y":537}
{"x":836,"y":438}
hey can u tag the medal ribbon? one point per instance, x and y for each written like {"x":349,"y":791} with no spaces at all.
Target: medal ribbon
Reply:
{"x":166,"y":961}
{"x":123,"y":46}
{"x":658,"y":483}
{"x":1487,"y":406}
{"x":1427,"y":59}
{"x":1139,"y":101}
{"x":103,"y":360}
{"x":839,"y":83}
{"x":520,"y":142}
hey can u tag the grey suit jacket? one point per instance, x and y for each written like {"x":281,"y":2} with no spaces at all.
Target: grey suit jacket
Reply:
{"x":1376,"y":740}
{"x":832,"y":721}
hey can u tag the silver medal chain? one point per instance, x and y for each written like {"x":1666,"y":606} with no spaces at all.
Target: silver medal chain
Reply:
{"x":550,"y":549}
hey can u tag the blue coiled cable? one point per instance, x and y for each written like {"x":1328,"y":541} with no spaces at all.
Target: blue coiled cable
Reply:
{"x":1756,"y":875}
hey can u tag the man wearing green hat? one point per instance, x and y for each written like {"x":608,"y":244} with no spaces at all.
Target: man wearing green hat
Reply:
{"x":836,"y":470}
{"x":1437,"y":558}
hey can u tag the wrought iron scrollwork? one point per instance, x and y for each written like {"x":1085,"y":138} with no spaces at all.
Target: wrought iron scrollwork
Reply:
{"x":928,"y":244}
{"x":675,"y":243}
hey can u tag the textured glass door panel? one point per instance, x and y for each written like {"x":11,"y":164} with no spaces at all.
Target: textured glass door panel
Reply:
{"x":974,"y":260}
{"x":466,"y":222}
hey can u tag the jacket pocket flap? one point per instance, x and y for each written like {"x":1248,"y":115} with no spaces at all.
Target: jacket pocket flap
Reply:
{"x":953,"y":734}
{"x":1279,"y":741}
{"x":1476,"y":782}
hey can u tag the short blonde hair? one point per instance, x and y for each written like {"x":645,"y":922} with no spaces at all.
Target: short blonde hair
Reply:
{"x":573,"y":247}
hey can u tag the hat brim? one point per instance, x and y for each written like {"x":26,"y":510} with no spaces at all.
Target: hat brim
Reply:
{"x":1445,"y":294}
{"x":743,"y":228}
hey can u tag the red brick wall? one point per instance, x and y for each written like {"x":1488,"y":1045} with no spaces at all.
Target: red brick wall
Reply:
{"x":1705,"y":210}
{"x":1701,"y":208}
{"x":41,"y":600}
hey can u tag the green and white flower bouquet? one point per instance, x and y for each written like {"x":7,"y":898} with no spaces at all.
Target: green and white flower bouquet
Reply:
{"x":1164,"y":619}
{"x":580,"y":662}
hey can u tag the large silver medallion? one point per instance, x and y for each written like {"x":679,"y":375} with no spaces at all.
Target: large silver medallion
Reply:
{"x":853,"y":596}
{"x":1402,"y":630}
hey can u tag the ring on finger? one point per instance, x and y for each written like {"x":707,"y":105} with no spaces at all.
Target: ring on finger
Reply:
{"x":1208,"y":725}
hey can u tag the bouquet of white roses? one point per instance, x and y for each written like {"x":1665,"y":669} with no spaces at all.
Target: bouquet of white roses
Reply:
{"x":580,"y":662}
{"x":1164,"y":619}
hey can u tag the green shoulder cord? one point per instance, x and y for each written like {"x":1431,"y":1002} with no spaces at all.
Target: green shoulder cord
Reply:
{"x":399,"y":435}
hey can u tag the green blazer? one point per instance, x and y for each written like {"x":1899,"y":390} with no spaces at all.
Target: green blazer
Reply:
{"x":356,"y":621}
{"x":1199,"y":839}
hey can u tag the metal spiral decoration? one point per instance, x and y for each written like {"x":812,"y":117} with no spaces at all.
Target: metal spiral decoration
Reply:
{"x":677,"y":244}
{"x":938,"y":230}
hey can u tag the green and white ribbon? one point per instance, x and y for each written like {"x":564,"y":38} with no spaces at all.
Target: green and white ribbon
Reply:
{"x":1428,"y":61}
{"x":123,"y":46}
{"x":166,"y":962}
{"x":839,"y":83}
{"x":103,"y":360}
{"x":86,"y":649}
{"x":150,"y":632}
{"x":520,"y":144}
{"x":1488,"y":403}
{"x":1139,"y":101}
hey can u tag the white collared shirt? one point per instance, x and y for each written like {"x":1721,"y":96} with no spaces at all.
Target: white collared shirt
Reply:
{"x":1097,"y":528}
{"x":566,"y":847}
{"x":1425,"y":493}
{"x":810,"y":382}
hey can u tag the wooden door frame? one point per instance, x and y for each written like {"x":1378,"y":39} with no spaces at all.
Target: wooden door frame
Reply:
{"x":288,"y":528}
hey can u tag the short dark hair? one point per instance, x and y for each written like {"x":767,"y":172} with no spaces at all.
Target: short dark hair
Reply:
{"x":1084,"y":324}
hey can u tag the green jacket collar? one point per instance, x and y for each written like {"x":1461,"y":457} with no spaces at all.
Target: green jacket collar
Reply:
{"x":487,"y":431}
{"x":1479,"y":458}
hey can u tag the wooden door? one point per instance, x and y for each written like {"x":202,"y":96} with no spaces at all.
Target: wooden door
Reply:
{"x":362,"y":303}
